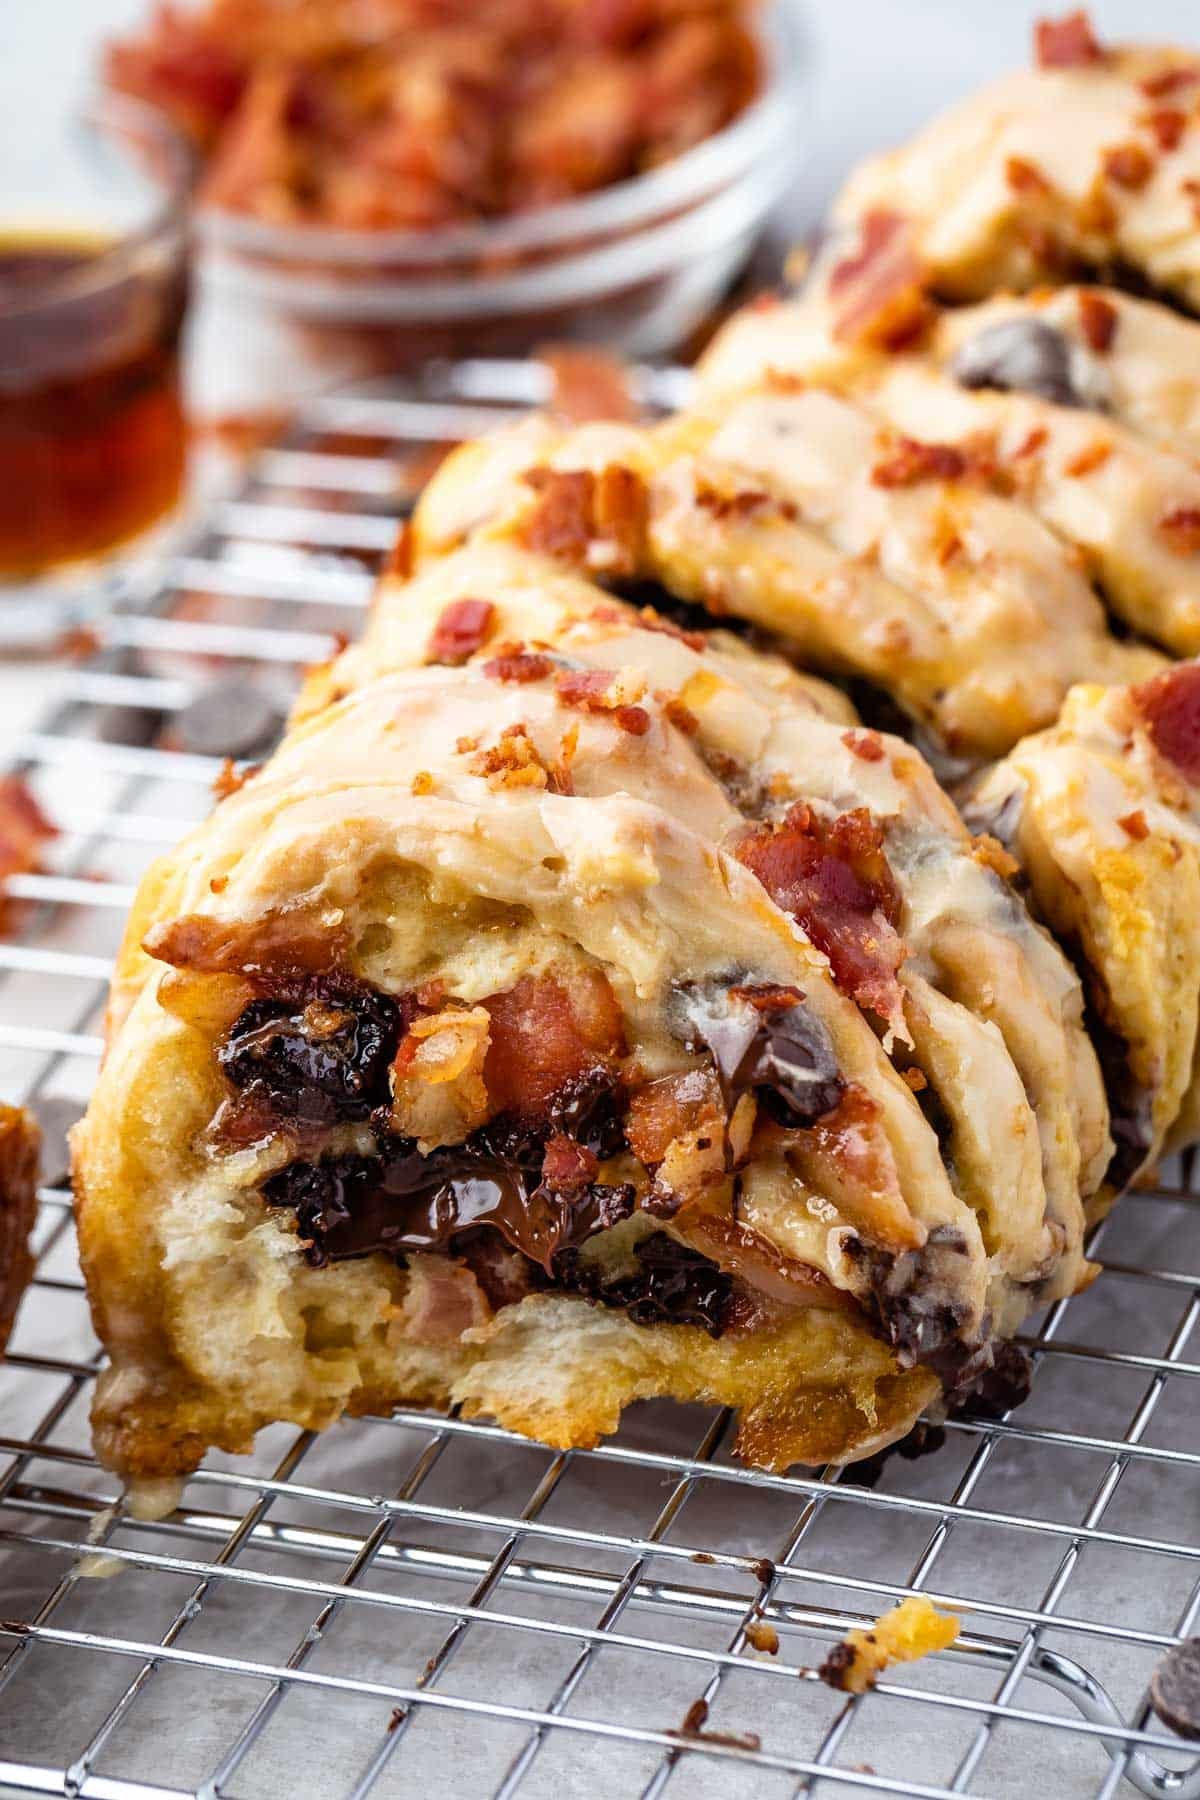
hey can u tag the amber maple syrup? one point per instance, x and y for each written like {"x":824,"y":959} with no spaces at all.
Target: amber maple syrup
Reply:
{"x":92,"y":432}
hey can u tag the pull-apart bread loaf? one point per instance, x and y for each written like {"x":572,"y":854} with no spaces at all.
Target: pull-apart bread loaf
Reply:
{"x":576,"y":1009}
{"x":1103,"y":812}
{"x":921,"y":570}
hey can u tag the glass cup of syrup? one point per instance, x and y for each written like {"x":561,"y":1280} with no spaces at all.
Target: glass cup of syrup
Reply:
{"x":93,"y":291}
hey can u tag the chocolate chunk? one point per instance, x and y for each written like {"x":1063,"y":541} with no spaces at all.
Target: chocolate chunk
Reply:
{"x":783,"y":1052}
{"x":999,"y":1387}
{"x":231,"y":718}
{"x":673,"y":1285}
{"x":1022,"y":355}
{"x":324,"y":1061}
{"x":1175,"y":1688}
{"x":401,"y":1201}
{"x":585,"y":1108}
{"x":914,"y":1301}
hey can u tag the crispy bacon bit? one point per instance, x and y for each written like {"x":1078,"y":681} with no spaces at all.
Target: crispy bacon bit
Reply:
{"x":519,"y":666}
{"x":1134,"y":825}
{"x":229,"y":779}
{"x":279,"y":951}
{"x":1024,"y":177}
{"x":1129,"y":165}
{"x":673,"y":1107}
{"x":512,"y":761}
{"x":990,"y":852}
{"x":1192,"y":189}
{"x":911,"y":461}
{"x":606,"y":691}
{"x":743,"y":503}
{"x":866,"y":744}
{"x":654,"y":621}
{"x":1091,"y":457}
{"x":1168,"y":125}
{"x":680,"y":715}
{"x":587,"y":383}
{"x":1034,"y":442}
{"x":915,"y":1078}
{"x":768,"y":996}
{"x":24,"y":829}
{"x":1170,"y":705}
{"x":400,"y":556}
{"x":1067,"y":43}
{"x":566,"y":1164}
{"x":1181,"y":528}
{"x":422,"y":782}
{"x":833,"y":877}
{"x":460,"y":630}
{"x":582,"y":517}
{"x":880,"y":287}
{"x":1098,"y":320}
{"x":544,"y":1035}
{"x":1168,"y":81}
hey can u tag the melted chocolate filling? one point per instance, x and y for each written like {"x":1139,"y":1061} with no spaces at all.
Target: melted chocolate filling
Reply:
{"x":911,"y":1298}
{"x":673,"y":1285}
{"x":322,"y":1058}
{"x":784,"y":1053}
{"x":349,"y":1206}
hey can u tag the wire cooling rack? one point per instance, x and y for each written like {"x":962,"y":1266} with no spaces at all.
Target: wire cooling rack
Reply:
{"x":418,"y":1601}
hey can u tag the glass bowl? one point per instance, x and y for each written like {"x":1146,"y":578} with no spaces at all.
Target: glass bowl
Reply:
{"x":637,"y":266}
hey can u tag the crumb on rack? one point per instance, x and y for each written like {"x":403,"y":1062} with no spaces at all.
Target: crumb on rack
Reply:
{"x":907,"y":1632}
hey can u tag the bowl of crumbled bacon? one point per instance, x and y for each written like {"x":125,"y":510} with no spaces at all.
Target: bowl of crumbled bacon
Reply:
{"x":449,"y":176}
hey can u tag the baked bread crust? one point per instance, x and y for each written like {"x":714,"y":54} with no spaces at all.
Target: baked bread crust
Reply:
{"x":1103,"y":812}
{"x":550,"y":787}
{"x":20,"y":1142}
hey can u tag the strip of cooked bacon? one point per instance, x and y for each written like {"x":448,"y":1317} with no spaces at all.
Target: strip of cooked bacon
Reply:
{"x":1170,"y":705}
{"x":24,"y":830}
{"x":879,"y":289}
{"x":460,"y":631}
{"x":544,"y":1035}
{"x":1067,"y":43}
{"x":833,"y":877}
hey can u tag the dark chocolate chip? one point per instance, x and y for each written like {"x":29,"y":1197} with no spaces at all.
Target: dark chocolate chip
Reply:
{"x":1022,"y":355}
{"x":230,"y":718}
{"x":1175,"y":1688}
{"x":323,"y":1061}
{"x":784,"y":1054}
{"x":672,"y":1286}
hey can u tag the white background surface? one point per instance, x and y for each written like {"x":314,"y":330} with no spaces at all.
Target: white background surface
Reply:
{"x":880,"y":68}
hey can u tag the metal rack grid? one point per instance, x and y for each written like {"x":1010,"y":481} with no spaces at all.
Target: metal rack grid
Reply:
{"x":419,"y":1600}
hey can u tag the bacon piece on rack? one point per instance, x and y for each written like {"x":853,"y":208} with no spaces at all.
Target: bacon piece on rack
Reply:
{"x":545,"y":1035}
{"x":1170,"y":705}
{"x":24,"y":829}
{"x":1067,"y":43}
{"x":832,"y":876}
{"x":461,"y":629}
{"x":879,"y":289}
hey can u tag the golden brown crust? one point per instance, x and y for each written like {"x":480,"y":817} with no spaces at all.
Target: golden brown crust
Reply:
{"x":20,"y":1142}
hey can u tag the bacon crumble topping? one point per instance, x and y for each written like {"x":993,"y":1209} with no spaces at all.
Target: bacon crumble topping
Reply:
{"x":1170,"y":706}
{"x":460,"y":631}
{"x":879,"y":288}
{"x":833,"y":878}
{"x":1181,"y":528}
{"x":583,"y":517}
{"x":1129,"y":165}
{"x":1098,"y":319}
{"x":1066,"y":43}
{"x":518,"y":666}
{"x":910,"y":461}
